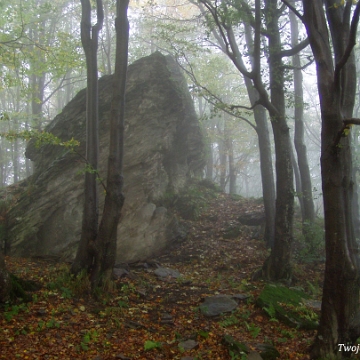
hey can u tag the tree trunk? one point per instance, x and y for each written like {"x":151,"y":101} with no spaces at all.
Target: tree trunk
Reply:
{"x":340,"y":302}
{"x":297,"y":182}
{"x":267,"y":174}
{"x":89,"y":38}
{"x":265,"y":152}
{"x":5,"y":281}
{"x":114,"y":199}
{"x":232,"y":168}
{"x":222,"y":153}
{"x":229,"y":153}
{"x":209,"y":160}
{"x":308,"y":213}
{"x":355,"y":202}
{"x":278,"y":265}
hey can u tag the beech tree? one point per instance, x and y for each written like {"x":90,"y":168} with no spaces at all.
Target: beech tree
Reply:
{"x":305,"y":195}
{"x":97,"y":249}
{"x":89,"y":37}
{"x":332,"y":34}
{"x":225,"y":18}
{"x":106,"y":239}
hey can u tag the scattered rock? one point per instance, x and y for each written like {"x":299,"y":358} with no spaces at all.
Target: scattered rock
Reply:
{"x":41,"y":312}
{"x":134,"y":325}
{"x":119,"y":273}
{"x":188,"y":345}
{"x":313,"y":304}
{"x":218,"y":304}
{"x":121,"y":357}
{"x":162,"y":272}
{"x":232,"y":232}
{"x":240,"y":297}
{"x":254,"y":356}
{"x":166,"y":319}
{"x":267,"y":351}
{"x":252,"y":218}
{"x":141,"y":292}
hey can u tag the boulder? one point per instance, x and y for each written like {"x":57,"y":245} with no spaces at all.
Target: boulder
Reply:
{"x":163,"y":150}
{"x":218,"y":304}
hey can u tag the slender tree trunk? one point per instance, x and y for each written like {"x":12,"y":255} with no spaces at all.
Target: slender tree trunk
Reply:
{"x":232,"y":168}
{"x":265,"y":152}
{"x":114,"y":199}
{"x":297,"y":182}
{"x":355,"y":203}
{"x":308,"y":209}
{"x":5,"y":282}
{"x":209,"y":160}
{"x":222,"y":158}
{"x":278,"y":265}
{"x":267,"y":174}
{"x":89,"y":37}
{"x":106,"y":45}
{"x":222,"y":153}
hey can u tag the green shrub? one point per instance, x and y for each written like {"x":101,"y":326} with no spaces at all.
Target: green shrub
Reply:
{"x":192,"y":200}
{"x":287,"y":305}
{"x":309,"y":241}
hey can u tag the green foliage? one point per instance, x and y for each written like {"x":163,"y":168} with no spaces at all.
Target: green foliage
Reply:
{"x":20,"y":287}
{"x":150,"y":345}
{"x":309,"y":240}
{"x":192,"y":200}
{"x":203,"y":334}
{"x":229,"y":321}
{"x":253,"y":329}
{"x":12,"y":311}
{"x":67,"y":284}
{"x":51,"y":324}
{"x":287,"y":305}
{"x":41,"y":138}
{"x":237,"y":350}
{"x":270,"y":310}
{"x":89,"y":337}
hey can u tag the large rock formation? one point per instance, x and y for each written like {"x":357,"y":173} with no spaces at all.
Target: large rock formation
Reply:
{"x":163,"y":149}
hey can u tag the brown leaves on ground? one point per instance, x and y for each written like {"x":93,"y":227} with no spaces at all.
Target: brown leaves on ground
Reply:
{"x":147,"y":317}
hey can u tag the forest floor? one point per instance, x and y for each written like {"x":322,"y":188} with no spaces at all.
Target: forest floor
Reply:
{"x":151,"y":317}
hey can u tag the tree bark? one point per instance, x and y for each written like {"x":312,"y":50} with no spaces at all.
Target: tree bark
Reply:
{"x":297,"y":183}
{"x":5,"y":281}
{"x":265,"y":152}
{"x":308,"y":208}
{"x":340,"y":302}
{"x":278,"y":265}
{"x":89,"y":38}
{"x":114,"y":199}
{"x":232,"y":168}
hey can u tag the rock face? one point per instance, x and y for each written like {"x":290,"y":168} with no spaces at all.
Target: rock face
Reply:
{"x":163,"y":149}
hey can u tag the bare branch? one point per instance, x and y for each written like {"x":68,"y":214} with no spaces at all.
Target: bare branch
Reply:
{"x":293,"y":9}
{"x":350,"y":45}
{"x":296,"y":49}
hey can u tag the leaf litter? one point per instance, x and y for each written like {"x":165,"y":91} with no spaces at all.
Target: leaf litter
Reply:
{"x":146,"y":316}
